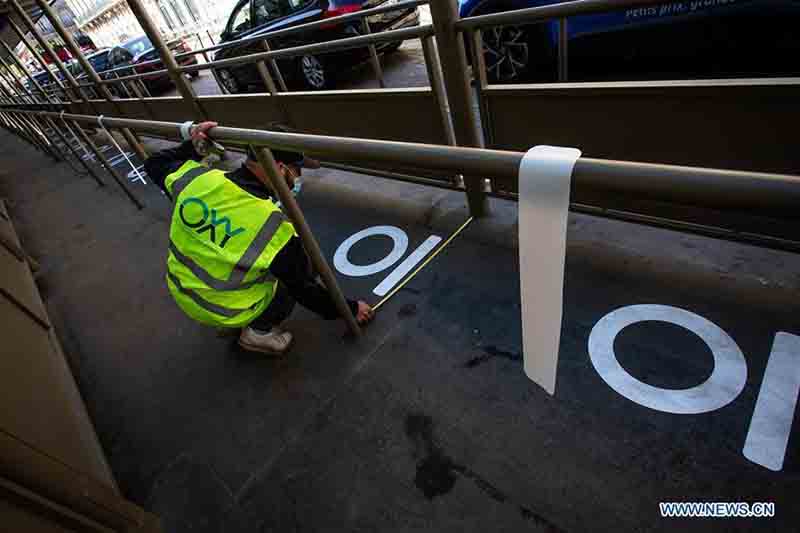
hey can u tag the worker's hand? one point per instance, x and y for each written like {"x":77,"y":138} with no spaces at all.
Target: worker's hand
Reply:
{"x":365,"y":313}
{"x":199,"y":131}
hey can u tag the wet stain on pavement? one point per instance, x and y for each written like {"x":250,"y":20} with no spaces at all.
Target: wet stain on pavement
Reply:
{"x":437,"y":473}
{"x":490,"y":353}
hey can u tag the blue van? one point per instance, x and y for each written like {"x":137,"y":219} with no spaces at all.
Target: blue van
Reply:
{"x":683,"y":39}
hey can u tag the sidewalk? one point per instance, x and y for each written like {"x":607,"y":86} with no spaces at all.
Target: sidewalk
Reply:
{"x":428,"y":422}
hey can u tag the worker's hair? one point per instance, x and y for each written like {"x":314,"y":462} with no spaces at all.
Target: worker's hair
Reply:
{"x":286,"y":157}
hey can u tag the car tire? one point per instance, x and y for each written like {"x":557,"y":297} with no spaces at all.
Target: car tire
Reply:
{"x":517,"y":54}
{"x":227,"y":81}
{"x":312,"y":74}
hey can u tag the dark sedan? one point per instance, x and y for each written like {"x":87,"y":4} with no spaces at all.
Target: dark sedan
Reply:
{"x":680,"y":39}
{"x":251,"y":18}
{"x":136,"y":53}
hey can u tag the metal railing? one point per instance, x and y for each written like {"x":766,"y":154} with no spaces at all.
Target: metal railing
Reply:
{"x":776,"y":195}
{"x":450,"y":89}
{"x":759,"y":194}
{"x":269,"y":35}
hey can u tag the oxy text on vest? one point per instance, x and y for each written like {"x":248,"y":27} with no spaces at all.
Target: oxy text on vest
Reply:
{"x":199,"y":220}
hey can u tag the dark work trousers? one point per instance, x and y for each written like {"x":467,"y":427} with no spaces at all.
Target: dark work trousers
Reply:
{"x":276,"y":312}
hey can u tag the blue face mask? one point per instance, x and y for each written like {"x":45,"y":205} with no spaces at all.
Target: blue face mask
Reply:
{"x":298,"y":186}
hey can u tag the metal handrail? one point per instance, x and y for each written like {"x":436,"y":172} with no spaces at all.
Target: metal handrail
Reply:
{"x":417,"y":32}
{"x":111,"y":81}
{"x":288,"y":31}
{"x":328,"y":46}
{"x":543,"y":13}
{"x":774,"y":195}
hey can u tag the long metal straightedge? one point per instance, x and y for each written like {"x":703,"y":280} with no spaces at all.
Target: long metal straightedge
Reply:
{"x":424,"y":263}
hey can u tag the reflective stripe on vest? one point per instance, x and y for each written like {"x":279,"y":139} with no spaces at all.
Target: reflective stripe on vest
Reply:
{"x":197,"y":251}
{"x":205,"y":304}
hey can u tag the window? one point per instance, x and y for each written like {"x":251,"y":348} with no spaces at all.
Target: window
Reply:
{"x":240,"y":19}
{"x":167,"y":16}
{"x":191,"y":9}
{"x":267,"y":10}
{"x":137,"y":46}
{"x":296,"y":5}
{"x":178,"y":12}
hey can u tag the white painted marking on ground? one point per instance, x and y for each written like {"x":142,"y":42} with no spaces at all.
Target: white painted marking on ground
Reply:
{"x":137,"y":175}
{"x":771,"y":424}
{"x":545,"y":177}
{"x":405,"y":267}
{"x":725,"y":383}
{"x":119,"y":158}
{"x":343,"y":264}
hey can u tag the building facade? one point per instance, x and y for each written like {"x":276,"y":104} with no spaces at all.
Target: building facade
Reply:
{"x":111,"y":22}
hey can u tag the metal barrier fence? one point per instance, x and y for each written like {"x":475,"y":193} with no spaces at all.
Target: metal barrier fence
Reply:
{"x":718,"y":123}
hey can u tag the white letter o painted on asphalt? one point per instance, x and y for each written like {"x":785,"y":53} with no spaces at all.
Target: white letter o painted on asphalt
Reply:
{"x":400,"y":244}
{"x":725,"y":383}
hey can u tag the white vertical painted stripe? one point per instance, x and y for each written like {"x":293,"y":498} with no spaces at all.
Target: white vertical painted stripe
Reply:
{"x":545,"y":178}
{"x":405,"y":267}
{"x":771,"y":424}
{"x":117,"y":159}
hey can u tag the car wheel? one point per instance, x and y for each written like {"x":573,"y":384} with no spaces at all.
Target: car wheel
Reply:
{"x":312,"y":73}
{"x":506,"y":52}
{"x":226,"y":81}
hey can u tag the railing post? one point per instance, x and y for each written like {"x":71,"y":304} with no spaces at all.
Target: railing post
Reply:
{"x":459,"y":94}
{"x":266,"y":78}
{"x":479,"y":73}
{"x":12,"y":126}
{"x":74,"y":152}
{"x":22,"y":132}
{"x":75,"y":50}
{"x":13,"y":82}
{"x":110,"y":169}
{"x":31,"y":124}
{"x":36,"y":137}
{"x":278,"y":75}
{"x":309,"y":242}
{"x":26,"y":20}
{"x":434,"y":67}
{"x":39,"y":59}
{"x":181,"y":83}
{"x":24,"y":70}
{"x":373,"y":56}
{"x":122,"y":84}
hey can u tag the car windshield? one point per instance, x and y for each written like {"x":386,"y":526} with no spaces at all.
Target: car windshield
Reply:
{"x":99,"y":62}
{"x":137,"y":46}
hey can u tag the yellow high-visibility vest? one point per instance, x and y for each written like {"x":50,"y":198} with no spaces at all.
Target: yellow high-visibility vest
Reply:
{"x":222,"y":242}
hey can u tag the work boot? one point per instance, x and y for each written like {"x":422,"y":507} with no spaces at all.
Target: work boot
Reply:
{"x":274,"y":342}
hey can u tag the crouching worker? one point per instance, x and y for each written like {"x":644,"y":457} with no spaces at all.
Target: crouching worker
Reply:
{"x":235,"y":260}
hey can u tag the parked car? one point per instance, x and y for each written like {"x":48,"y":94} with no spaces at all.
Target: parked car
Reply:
{"x":43,"y":78}
{"x":132,"y":54}
{"x":678,"y":39}
{"x":251,"y":18}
